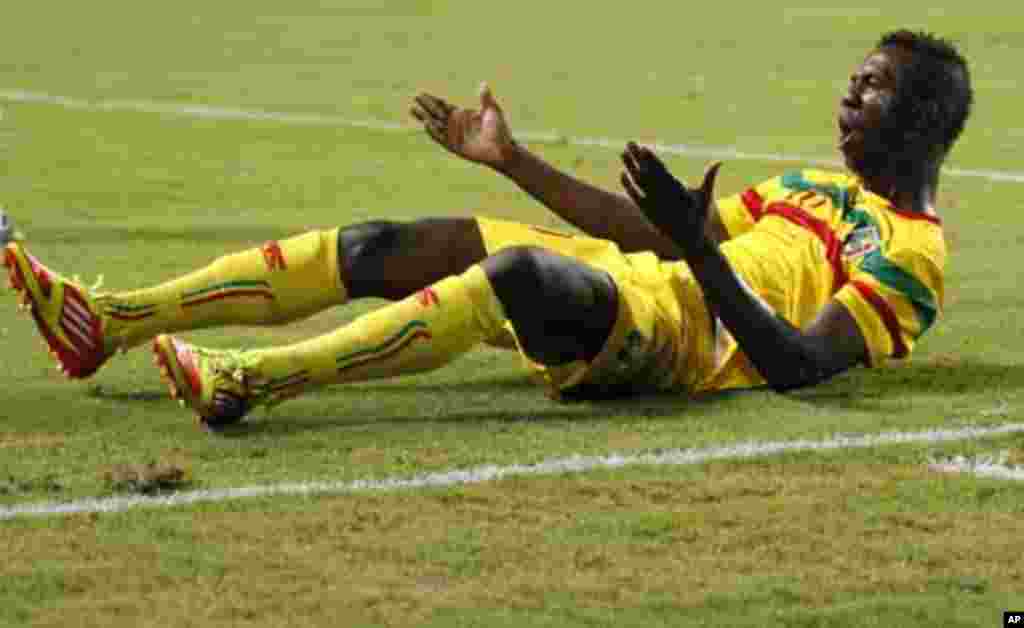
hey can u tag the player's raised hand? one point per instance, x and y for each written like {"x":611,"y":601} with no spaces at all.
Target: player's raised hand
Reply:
{"x":677,"y":211}
{"x":479,"y":135}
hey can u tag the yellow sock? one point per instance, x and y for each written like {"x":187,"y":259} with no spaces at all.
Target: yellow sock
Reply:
{"x":279,"y":282}
{"x":422,"y":332}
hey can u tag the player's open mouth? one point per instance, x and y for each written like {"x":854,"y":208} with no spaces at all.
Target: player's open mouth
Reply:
{"x":850,"y":121}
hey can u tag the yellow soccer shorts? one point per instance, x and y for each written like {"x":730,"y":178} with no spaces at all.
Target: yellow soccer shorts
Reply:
{"x":660,"y":318}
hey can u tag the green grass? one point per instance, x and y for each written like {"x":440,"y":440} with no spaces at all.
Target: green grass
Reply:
{"x":860,"y":538}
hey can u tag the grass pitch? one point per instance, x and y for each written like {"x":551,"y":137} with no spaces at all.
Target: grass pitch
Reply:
{"x":865,"y":538}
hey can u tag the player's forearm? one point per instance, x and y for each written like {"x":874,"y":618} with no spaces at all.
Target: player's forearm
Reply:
{"x":785,"y":356}
{"x":595,"y":211}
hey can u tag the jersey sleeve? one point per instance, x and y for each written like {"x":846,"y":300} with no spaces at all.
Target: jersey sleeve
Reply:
{"x":740,"y":212}
{"x":894,"y":298}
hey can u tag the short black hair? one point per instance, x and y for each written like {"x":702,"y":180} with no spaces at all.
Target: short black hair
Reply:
{"x":935,"y":95}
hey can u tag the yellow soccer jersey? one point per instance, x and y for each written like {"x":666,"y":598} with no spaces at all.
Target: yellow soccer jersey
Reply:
{"x":803,"y":239}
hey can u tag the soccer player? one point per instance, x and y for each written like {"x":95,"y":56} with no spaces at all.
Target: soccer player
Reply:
{"x":788,"y":283}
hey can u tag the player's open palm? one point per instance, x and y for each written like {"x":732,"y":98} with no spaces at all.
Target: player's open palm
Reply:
{"x":676,"y":210}
{"x":480,"y":135}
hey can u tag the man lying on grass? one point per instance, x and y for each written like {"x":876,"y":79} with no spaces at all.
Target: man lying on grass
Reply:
{"x":788,"y":283}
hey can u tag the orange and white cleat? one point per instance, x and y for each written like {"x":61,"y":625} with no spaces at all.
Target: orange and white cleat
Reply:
{"x":66,"y":313}
{"x":209,"y":381}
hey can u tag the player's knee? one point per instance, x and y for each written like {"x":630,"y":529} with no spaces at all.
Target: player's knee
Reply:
{"x":518,"y":273}
{"x":562,"y":309}
{"x":391,"y":259}
{"x":441,"y":236}
{"x":366,"y":240}
{"x":535,"y":275}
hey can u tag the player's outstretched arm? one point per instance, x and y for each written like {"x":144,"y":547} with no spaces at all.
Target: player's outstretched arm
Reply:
{"x":785,"y":356}
{"x":483,"y":136}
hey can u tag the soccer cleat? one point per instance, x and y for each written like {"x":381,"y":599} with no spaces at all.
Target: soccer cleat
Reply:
{"x":210,"y":382}
{"x":66,"y":313}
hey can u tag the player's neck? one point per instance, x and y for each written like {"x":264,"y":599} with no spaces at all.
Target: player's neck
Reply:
{"x":912,"y":191}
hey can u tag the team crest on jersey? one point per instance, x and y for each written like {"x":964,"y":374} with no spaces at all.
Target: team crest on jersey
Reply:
{"x":273,"y":256}
{"x":861,"y":241}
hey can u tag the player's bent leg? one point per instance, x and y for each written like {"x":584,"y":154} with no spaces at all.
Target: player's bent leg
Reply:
{"x":421,"y":332}
{"x":562,"y":310}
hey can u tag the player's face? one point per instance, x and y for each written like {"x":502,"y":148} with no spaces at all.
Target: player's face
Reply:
{"x":863,"y":109}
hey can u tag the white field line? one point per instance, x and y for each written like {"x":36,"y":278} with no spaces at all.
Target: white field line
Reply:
{"x":986,"y":467}
{"x":315,"y":119}
{"x":490,"y":473}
